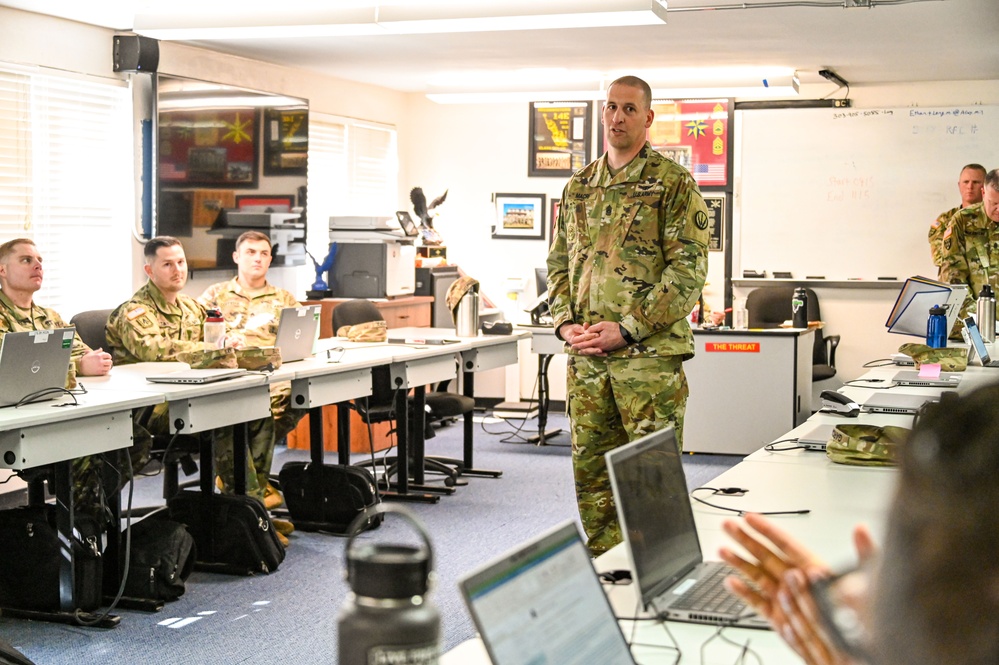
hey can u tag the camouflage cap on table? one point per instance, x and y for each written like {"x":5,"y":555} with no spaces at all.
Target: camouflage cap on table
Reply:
{"x":951,"y":359}
{"x":866,"y":445}
{"x":457,"y":291}
{"x":369,"y":331}
{"x":214,"y":359}
{"x":259,"y":357}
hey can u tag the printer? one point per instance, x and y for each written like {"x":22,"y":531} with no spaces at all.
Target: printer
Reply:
{"x":285,"y":229}
{"x":375,"y":258}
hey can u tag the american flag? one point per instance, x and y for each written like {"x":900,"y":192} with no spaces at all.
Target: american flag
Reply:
{"x":706,"y":174}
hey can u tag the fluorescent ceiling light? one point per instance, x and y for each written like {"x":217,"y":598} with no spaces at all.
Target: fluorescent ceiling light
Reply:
{"x":229,"y":101}
{"x":776,"y":87}
{"x":398,"y":17}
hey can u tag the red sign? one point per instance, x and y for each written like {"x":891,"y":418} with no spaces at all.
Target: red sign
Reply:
{"x":732,"y":347}
{"x":695,"y":134}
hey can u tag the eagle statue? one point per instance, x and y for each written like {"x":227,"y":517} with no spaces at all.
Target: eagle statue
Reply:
{"x":423,"y":211}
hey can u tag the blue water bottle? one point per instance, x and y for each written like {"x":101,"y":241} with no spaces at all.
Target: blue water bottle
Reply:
{"x":936,"y":328}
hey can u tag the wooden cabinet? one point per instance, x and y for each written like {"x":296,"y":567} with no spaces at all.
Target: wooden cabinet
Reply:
{"x":398,"y":312}
{"x":359,"y":441}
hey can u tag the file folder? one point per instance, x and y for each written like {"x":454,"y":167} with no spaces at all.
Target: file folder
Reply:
{"x":918,"y":295}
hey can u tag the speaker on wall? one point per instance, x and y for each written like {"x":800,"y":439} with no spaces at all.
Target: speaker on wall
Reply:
{"x":134,"y":53}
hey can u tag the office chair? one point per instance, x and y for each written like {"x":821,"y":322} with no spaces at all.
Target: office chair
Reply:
{"x":381,"y":406}
{"x":90,"y":326}
{"x":770,"y":306}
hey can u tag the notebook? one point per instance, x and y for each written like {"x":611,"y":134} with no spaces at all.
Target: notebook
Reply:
{"x":657,"y":522}
{"x":816,"y":437}
{"x":896,"y":403}
{"x":297,"y":328}
{"x":543,"y":603}
{"x":196,"y":375}
{"x":978,"y":344}
{"x":910,"y":377}
{"x":34,"y":361}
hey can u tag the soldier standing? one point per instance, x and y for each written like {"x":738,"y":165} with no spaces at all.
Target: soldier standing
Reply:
{"x":251,"y":307}
{"x":625,"y":270}
{"x":971,"y":245}
{"x":970,"y":184}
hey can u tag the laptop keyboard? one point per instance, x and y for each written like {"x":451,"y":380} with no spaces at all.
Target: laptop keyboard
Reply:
{"x":710,"y":594}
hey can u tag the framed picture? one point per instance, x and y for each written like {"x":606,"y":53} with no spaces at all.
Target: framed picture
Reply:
{"x":553,"y":220}
{"x":265,"y":202}
{"x":209,"y":147}
{"x":560,"y":138}
{"x":519,"y":216}
{"x":286,"y":141}
{"x":715,"y":201}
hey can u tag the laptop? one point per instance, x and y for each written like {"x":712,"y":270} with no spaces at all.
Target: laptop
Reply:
{"x":543,"y":603}
{"x":34,"y":361}
{"x":910,"y":377}
{"x":896,"y":403}
{"x":978,"y":344}
{"x":297,"y":327}
{"x":816,"y":437}
{"x":657,"y":522}
{"x":196,"y":375}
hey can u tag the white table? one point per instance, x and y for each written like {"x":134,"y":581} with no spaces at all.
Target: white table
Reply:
{"x":54,"y":432}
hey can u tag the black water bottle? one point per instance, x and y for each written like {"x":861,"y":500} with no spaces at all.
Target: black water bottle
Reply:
{"x":799,"y":308}
{"x":388,"y":618}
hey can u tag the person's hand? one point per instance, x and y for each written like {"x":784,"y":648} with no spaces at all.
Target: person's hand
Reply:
{"x":598,"y":339}
{"x":717,"y":317}
{"x":95,"y":363}
{"x":779,"y":573}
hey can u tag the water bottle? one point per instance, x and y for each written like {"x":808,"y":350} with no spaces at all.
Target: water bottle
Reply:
{"x":387,"y":617}
{"x":214,"y":331}
{"x":799,"y":308}
{"x":987,"y":314}
{"x":466,"y":323}
{"x":936,"y":328}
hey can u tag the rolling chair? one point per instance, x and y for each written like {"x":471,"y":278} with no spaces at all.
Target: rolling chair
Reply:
{"x":90,"y":326}
{"x":770,"y":306}
{"x":381,"y":405}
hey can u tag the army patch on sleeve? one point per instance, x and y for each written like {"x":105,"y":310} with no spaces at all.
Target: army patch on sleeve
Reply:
{"x":701,"y":220}
{"x":137,"y":311}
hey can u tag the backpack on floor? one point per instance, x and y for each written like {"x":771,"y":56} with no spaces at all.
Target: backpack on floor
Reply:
{"x":328,"y":497}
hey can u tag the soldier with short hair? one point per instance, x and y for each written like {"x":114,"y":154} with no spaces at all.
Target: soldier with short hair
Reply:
{"x":971,"y":245}
{"x":21,"y":276}
{"x":625,"y":269}
{"x":970,"y":185}
{"x":159,"y":323}
{"x":251,"y":307}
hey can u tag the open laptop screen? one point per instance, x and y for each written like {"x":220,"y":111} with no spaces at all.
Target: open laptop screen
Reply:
{"x":543,"y":603}
{"x":652,"y":503}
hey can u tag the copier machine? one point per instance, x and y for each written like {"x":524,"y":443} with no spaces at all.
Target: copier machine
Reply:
{"x":374,"y":258}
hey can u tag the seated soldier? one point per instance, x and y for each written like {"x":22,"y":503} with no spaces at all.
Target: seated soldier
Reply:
{"x":158,"y":323}
{"x":251,"y":307}
{"x":21,"y":275}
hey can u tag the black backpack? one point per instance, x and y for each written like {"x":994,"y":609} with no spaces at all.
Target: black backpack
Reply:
{"x":162,"y":558}
{"x":328,"y":497}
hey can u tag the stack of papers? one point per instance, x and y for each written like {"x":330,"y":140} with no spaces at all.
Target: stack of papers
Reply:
{"x":918,"y":295}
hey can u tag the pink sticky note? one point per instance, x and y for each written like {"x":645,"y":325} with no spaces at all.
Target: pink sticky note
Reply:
{"x":929,"y":371}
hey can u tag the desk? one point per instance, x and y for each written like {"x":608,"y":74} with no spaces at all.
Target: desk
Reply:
{"x":760,"y":379}
{"x":398,"y":312}
{"x":50,"y":433}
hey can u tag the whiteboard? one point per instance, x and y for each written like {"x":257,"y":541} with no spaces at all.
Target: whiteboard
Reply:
{"x":851,"y":193}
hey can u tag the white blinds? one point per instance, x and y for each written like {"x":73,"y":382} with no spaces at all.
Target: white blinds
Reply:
{"x":353,"y":170}
{"x":67,"y":181}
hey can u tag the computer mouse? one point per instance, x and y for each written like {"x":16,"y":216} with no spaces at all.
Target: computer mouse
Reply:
{"x":838,"y":403}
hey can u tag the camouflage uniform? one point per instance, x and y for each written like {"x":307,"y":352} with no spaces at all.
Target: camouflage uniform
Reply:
{"x":971,"y":254}
{"x":253,"y":319}
{"x":630,"y":248}
{"x":148,"y":329}
{"x":86,"y":470}
{"x":935,"y":236}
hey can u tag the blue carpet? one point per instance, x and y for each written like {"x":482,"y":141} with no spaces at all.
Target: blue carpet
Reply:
{"x":291,"y":614}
